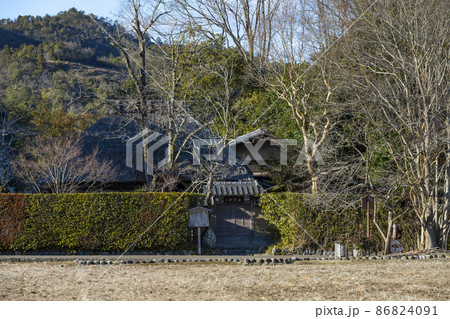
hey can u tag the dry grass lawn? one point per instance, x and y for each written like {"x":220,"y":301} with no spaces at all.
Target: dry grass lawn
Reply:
{"x":315,"y":280}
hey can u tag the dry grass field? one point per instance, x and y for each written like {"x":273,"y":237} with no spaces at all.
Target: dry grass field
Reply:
{"x":314,"y":280}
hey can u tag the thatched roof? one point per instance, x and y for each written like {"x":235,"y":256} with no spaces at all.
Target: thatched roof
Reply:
{"x":110,"y":135}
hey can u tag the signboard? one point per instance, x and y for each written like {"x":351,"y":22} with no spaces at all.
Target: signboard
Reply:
{"x":367,"y":202}
{"x":199,"y":217}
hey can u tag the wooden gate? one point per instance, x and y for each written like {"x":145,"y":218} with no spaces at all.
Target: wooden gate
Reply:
{"x":234,"y":228}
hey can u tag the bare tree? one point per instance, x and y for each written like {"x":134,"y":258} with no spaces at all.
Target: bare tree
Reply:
{"x":390,"y":198}
{"x":222,"y":113}
{"x":402,"y":52}
{"x":141,"y":17}
{"x":58,"y":166}
{"x":181,"y":52}
{"x":306,"y":86}
{"x":247,"y":24}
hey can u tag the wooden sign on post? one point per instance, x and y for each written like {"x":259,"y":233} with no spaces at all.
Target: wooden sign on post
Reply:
{"x":368,"y":203}
{"x":199,"y":217}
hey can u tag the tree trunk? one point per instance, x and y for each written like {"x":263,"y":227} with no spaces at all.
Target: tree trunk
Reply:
{"x":446,"y":213}
{"x":430,"y":232}
{"x":208,"y":192}
{"x":314,"y":184}
{"x":387,"y":239}
{"x":446,"y":228}
{"x":148,"y":177}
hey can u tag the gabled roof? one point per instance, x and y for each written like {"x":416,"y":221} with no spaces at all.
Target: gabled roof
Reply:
{"x":260,"y":133}
{"x":237,"y":188}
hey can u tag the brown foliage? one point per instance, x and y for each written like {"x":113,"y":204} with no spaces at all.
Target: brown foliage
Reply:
{"x":12,"y":218}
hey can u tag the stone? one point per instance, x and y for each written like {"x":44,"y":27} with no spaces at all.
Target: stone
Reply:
{"x":275,"y":260}
{"x":260,"y":261}
{"x":102,"y":262}
{"x":276,"y":251}
{"x":209,"y":238}
{"x":340,"y":250}
{"x":236,"y":260}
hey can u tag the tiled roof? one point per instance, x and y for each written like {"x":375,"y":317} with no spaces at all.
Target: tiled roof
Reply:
{"x":239,"y":188}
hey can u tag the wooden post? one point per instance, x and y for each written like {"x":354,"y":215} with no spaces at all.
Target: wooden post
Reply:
{"x":367,"y":203}
{"x":368,"y":219}
{"x":199,"y":241}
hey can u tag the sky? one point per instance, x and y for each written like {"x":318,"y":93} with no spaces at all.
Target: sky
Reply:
{"x":101,"y":8}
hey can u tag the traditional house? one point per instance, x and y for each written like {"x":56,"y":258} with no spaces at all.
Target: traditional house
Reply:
{"x":236,"y":219}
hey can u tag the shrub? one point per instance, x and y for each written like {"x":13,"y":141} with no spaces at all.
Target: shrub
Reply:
{"x":299,"y":220}
{"x":101,"y":221}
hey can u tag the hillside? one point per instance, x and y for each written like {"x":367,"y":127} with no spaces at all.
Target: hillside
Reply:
{"x":57,"y":71}
{"x":79,"y":32}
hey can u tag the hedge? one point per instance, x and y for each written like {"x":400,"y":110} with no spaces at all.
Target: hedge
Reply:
{"x":291,"y":218}
{"x":95,"y":222}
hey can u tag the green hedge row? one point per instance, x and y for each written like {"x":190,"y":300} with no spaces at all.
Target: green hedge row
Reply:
{"x":292,"y":217}
{"x":96,"y":221}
